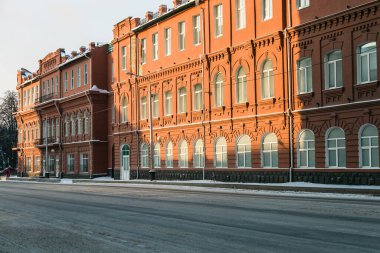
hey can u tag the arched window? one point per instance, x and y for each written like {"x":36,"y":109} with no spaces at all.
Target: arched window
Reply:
{"x":306,"y":149}
{"x":169,"y":155}
{"x":241,"y":86}
{"x":219,"y":91}
{"x":243,"y":152}
{"x":220,"y":160}
{"x":199,"y":158}
{"x":304,"y":76}
{"x":367,"y":63}
{"x":144,"y":155}
{"x":369,"y":146}
{"x":72,"y":124}
{"x":333,"y":70}
{"x":67,"y":126}
{"x":182,"y":100}
{"x":85,"y":122}
{"x":182,"y":154}
{"x":157,"y":159}
{"x":336,"y":148}
{"x":267,"y":80}
{"x":124,"y":108}
{"x":198,"y":101}
{"x":269,"y":151}
{"x":79,"y":120}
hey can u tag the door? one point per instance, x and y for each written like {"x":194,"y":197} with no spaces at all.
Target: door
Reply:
{"x":125,"y":166}
{"x":57,"y":166}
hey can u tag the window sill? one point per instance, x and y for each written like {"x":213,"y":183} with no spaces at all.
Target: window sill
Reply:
{"x":267,"y":101}
{"x":302,"y":7}
{"x":334,"y":92}
{"x":369,"y":86}
{"x":306,"y":96}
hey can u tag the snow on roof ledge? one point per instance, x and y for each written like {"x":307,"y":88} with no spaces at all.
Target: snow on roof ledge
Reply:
{"x":95,"y":88}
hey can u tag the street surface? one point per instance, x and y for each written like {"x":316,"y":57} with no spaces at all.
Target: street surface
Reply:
{"x":97,"y":218}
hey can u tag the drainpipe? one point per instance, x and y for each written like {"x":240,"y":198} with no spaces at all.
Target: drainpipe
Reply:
{"x":290,"y":94}
{"x":91,"y":132}
{"x":137,"y":100}
{"x":203,"y":92}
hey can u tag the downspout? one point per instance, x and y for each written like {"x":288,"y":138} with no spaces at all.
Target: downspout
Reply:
{"x":137,"y":100}
{"x":203,"y":92}
{"x":92,"y":112}
{"x":290,"y":94}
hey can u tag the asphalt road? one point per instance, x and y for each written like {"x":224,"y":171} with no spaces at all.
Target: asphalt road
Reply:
{"x":94,"y":218}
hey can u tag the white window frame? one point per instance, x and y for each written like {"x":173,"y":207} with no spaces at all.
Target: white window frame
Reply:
{"x":156,"y":156}
{"x":183,"y":154}
{"x":267,"y":80}
{"x":304,"y":73}
{"x":155,"y":106}
{"x":181,"y":36}
{"x":124,"y":58}
{"x":267,"y":9}
{"x":86,"y":122}
{"x":84,"y":162}
{"x":196,"y":30}
{"x":218,"y":20}
{"x":272,"y":151}
{"x":182,"y":100}
{"x":220,"y":153}
{"x":155,"y":46}
{"x":169,"y":155}
{"x":198,"y":157}
{"x":198,"y":98}
{"x":335,"y":64}
{"x":143,"y":107}
{"x":368,"y":54}
{"x":305,"y":147}
{"x":66,"y":81}
{"x":168,"y":103}
{"x":302,"y":4}
{"x":219,"y":90}
{"x":70,"y":162}
{"x":124,"y":109}
{"x":79,"y":77}
{"x":168,"y":41}
{"x":143,"y":51}
{"x":241,"y":86}
{"x":144,"y":153}
{"x":373,"y":144}
{"x":243,"y":148}
{"x":240,"y":14}
{"x":73,"y":130}
{"x":335,"y":149}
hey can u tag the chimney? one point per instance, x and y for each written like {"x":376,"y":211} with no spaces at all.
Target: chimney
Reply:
{"x":82,"y":49}
{"x":74,"y":53}
{"x":135,"y":22}
{"x":162,"y":9}
{"x":148,"y":15}
{"x":92,"y":45}
{"x":177,"y":3}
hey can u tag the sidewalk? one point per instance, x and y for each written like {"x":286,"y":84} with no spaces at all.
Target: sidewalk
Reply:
{"x":283,"y":187}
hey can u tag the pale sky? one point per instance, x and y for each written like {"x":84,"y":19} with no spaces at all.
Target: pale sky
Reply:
{"x":30,"y":29}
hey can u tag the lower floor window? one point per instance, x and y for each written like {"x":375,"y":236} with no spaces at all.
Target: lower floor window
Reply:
{"x":70,"y":162}
{"x":84,"y":162}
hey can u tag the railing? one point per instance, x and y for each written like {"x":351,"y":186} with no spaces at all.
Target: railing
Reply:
{"x":51,"y":140}
{"x":45,"y":98}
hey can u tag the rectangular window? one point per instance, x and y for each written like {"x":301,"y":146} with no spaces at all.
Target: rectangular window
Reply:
{"x":143,"y":51}
{"x":28,"y":164}
{"x":37,"y":164}
{"x":168,"y":103}
{"x":37,"y":92}
{"x":168,"y":41}
{"x":143,"y":108}
{"x":66,"y":81}
{"x":197,"y":30}
{"x":70,"y":162}
{"x":155,"y":105}
{"x":28,"y":98}
{"x":198,"y":103}
{"x":48,"y":87}
{"x":124,"y":58}
{"x":303,"y":4}
{"x":56,"y":85}
{"x":155,"y":46}
{"x":240,"y":14}
{"x":181,"y":35}
{"x":112,"y":72}
{"x":267,"y":9}
{"x":79,"y":77}
{"x":32,"y":95}
{"x":182,"y":100}
{"x":218,"y":20}
{"x":52,"y":86}
{"x":304,"y":76}
{"x":84,"y":162}
{"x":72,"y":79}
{"x":333,"y":70}
{"x":85,"y":74}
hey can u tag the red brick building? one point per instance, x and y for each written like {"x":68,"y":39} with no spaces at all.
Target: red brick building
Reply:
{"x":248,"y":91}
{"x":70,"y":96}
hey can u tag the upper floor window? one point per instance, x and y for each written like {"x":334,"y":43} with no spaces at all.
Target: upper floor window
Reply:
{"x":85,"y":122}
{"x":269,"y":151}
{"x":367,"y":63}
{"x":143,"y":108}
{"x":124,"y":109}
{"x":336,"y":148}
{"x":168,"y":41}
{"x":306,"y":149}
{"x":155,"y":46}
{"x":168,"y":103}
{"x":304,"y":76}
{"x":240,"y":14}
{"x":369,"y":146}
{"x":79,"y":121}
{"x":72,"y":79}
{"x":143,"y":51}
{"x":72,"y":124}
{"x":302,"y":4}
{"x":219,"y":91}
{"x":241,"y":87}
{"x":267,"y":81}
{"x":198,"y":101}
{"x":181,"y":36}
{"x":182,"y":100}
{"x":79,"y":77}
{"x":86,"y":74}
{"x":124,"y":58}
{"x":267,"y":9}
{"x":112,"y":72}
{"x":65,"y":82}
{"x":155,"y":105}
{"x":197,"y":30}
{"x":218,"y":20}
{"x":67,"y":126}
{"x":333,"y":70}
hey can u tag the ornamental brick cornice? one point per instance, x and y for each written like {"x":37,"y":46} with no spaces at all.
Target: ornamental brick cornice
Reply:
{"x":269,"y":40}
{"x":334,"y":21}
